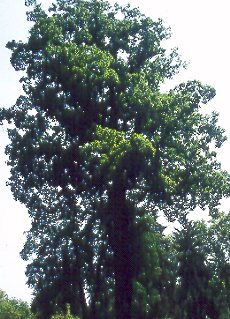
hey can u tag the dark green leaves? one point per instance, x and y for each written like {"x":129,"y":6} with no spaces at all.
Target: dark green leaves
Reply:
{"x":97,"y":150}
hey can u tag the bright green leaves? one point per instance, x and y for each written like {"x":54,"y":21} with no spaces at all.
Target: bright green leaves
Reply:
{"x":14,"y":308}
{"x":112,"y":147}
{"x":66,"y":315}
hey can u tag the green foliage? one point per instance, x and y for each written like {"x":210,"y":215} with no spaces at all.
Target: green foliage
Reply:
{"x":66,"y":315}
{"x":13,"y":308}
{"x":193,"y":273}
{"x":217,"y":241}
{"x":113,"y":148}
{"x":146,"y":295}
{"x":97,"y":151}
{"x":203,"y":269}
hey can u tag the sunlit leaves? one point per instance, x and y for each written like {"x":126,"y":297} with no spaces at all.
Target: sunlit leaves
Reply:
{"x":12,"y":308}
{"x":111,"y":147}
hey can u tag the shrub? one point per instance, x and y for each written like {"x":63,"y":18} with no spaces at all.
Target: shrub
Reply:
{"x":66,"y":315}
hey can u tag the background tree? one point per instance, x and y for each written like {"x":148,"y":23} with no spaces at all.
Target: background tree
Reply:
{"x":94,"y":142}
{"x":218,"y":235}
{"x":154,"y":286}
{"x":11,"y":308}
{"x":193,"y":273}
{"x":202,"y":252}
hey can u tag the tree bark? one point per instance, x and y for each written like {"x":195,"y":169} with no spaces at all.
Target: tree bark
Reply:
{"x":122,"y":243}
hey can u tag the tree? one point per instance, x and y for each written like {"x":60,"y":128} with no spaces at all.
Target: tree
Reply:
{"x":154,"y":286}
{"x":11,"y":308}
{"x":94,"y":141}
{"x":217,"y":240}
{"x":193,"y":272}
{"x":202,"y":253}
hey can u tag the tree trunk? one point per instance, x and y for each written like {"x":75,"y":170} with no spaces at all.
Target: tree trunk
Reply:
{"x":121,"y":239}
{"x":79,"y":284}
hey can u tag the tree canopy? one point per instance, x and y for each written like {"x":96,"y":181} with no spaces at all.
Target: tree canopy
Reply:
{"x":12,"y":308}
{"x":97,"y":150}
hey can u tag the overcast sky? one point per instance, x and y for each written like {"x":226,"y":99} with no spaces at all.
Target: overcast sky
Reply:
{"x":201,"y":31}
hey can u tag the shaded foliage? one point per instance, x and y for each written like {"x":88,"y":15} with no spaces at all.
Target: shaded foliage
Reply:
{"x":202,"y":289}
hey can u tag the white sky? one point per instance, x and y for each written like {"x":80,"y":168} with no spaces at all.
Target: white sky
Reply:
{"x":201,"y":31}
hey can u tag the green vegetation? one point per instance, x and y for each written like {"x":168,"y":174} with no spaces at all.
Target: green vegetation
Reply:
{"x":97,"y":152}
{"x":182,"y":275}
{"x":11,"y":308}
{"x":66,"y":315}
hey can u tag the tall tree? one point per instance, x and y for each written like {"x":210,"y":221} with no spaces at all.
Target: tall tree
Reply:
{"x":95,"y":141}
